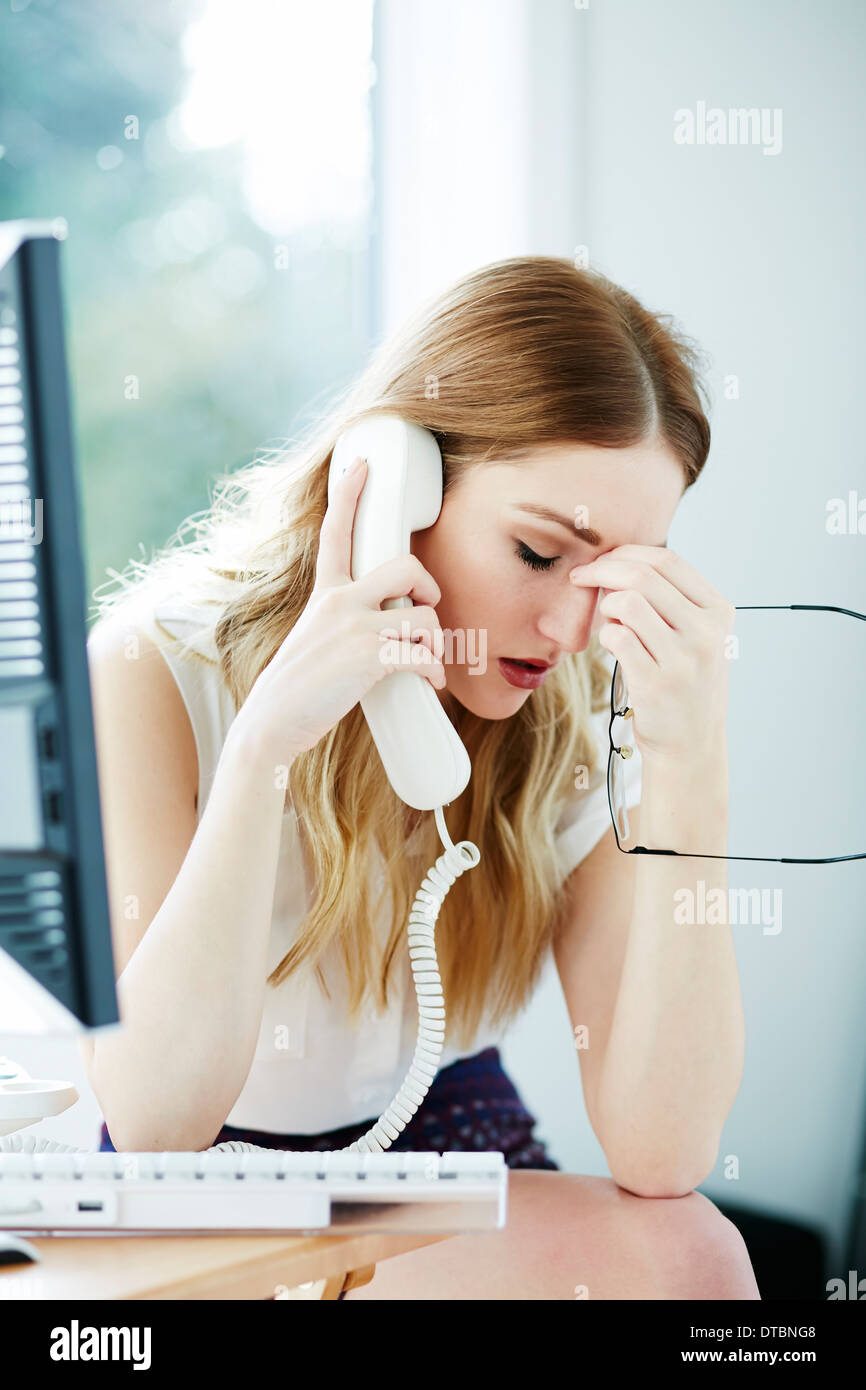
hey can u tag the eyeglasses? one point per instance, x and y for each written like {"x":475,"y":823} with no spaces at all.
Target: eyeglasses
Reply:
{"x":620,"y":752}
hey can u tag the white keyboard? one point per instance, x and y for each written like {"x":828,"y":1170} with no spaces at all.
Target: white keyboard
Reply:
{"x":258,"y":1193}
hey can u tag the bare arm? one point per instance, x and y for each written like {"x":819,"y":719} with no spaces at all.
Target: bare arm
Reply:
{"x":658,"y":1005}
{"x":192,"y":964}
{"x":676,"y":1049}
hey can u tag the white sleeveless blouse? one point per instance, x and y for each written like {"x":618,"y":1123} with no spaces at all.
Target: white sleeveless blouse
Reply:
{"x":311,"y":1071}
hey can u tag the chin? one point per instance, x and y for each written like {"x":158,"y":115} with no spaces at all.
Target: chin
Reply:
{"x":480,"y":695}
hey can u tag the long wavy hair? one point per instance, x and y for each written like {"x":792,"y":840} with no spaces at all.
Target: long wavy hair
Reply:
{"x":521,"y":353}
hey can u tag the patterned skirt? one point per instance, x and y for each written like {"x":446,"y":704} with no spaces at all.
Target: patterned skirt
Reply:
{"x":471,"y":1105}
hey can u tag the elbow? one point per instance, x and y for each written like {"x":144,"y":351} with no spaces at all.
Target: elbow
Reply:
{"x":671,"y":1176}
{"x":167,"y":1125}
{"x":649,"y":1184}
{"x":160,"y":1131}
{"x":159,"y":1139}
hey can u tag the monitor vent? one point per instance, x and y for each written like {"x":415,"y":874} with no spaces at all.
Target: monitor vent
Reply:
{"x":33,"y":923}
{"x":21,"y":637}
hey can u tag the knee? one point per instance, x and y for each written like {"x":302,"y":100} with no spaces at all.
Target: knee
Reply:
{"x":699,"y":1253}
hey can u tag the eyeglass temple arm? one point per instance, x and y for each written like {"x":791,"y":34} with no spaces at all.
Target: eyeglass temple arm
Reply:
{"x":798,"y":608}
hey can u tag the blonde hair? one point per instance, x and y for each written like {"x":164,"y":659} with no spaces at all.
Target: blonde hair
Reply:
{"x":524,"y":352}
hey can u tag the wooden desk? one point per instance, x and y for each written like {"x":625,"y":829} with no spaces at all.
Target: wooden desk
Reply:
{"x":202,"y":1267}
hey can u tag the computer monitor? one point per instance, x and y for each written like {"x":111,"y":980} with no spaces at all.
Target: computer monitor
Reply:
{"x":56,"y":962}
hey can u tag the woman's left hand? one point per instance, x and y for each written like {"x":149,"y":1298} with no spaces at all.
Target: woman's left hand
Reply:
{"x":667,"y":629}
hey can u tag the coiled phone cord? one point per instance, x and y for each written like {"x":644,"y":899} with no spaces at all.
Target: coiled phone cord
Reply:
{"x":438,"y":881}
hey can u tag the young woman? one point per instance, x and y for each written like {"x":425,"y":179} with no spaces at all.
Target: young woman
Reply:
{"x":254,"y":842}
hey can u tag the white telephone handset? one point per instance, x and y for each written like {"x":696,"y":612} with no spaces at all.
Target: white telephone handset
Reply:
{"x":425,"y":761}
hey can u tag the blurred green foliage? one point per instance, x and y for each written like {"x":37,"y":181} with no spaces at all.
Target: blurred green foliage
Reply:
{"x":194,"y":337}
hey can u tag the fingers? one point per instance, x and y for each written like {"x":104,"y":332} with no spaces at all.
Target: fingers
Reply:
{"x":419,"y":646}
{"x":401,"y":577}
{"x":416,"y":625}
{"x":634,"y":611}
{"x":416,"y":657}
{"x":682,"y":577}
{"x":334,"y":561}
{"x":617,"y":576}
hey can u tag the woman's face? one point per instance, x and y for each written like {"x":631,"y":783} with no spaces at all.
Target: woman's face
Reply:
{"x":503,"y":571}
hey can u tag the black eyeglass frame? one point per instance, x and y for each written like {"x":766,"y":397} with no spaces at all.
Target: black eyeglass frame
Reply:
{"x":624,"y":713}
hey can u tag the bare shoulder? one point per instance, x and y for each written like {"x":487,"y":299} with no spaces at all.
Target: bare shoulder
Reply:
{"x":135,"y":696}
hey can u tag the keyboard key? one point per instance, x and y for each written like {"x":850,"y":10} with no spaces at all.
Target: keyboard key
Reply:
{"x":178,"y":1165}
{"x":98,"y":1165}
{"x":16,"y":1166}
{"x":420,"y":1167}
{"x":220,"y":1165}
{"x":60,"y":1165}
{"x":381,"y":1164}
{"x":344,"y":1164}
{"x":301,"y":1164}
{"x":262,"y":1165}
{"x":480,"y":1165}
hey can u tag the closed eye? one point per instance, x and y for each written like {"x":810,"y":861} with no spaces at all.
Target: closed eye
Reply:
{"x":535,"y":562}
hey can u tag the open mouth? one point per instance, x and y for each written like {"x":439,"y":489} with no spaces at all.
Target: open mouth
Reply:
{"x":526,"y":675}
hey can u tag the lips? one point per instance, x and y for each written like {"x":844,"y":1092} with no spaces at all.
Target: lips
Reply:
{"x":523,"y":673}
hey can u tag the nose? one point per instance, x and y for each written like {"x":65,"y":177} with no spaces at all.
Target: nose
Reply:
{"x":571,"y":621}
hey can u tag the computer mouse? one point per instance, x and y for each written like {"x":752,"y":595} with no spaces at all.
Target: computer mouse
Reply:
{"x":14,"y":1251}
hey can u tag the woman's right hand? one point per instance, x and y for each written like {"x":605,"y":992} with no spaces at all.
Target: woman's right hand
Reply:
{"x":332,"y":656}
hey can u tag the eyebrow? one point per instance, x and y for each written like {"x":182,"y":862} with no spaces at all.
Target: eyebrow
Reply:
{"x":582,"y":533}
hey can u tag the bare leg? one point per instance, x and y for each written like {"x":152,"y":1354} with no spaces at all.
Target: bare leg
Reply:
{"x":570,"y":1237}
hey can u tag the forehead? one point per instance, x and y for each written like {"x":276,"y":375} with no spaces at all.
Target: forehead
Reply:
{"x":624,"y":494}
